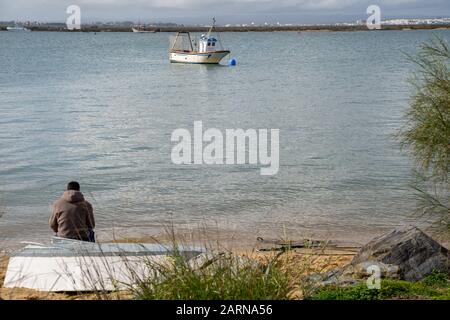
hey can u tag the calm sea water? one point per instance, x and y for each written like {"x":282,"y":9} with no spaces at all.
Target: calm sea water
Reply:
{"x":100,"y":108}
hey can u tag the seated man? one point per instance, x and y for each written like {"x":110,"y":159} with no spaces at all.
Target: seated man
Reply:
{"x":72,"y":216}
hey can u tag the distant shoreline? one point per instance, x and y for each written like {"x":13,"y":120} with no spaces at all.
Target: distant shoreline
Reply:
{"x":321,"y":28}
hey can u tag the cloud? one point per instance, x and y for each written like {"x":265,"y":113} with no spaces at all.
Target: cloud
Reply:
{"x":247,"y":4}
{"x":228,"y":10}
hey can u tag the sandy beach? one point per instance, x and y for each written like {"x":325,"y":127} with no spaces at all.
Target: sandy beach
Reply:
{"x":297,"y":263}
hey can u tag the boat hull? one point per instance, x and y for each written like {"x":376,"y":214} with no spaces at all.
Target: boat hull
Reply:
{"x":198,"y":58}
{"x":70,"y":265}
{"x":142,"y":31}
{"x":17,"y":29}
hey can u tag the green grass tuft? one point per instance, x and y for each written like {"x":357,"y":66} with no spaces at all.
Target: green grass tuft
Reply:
{"x":227,"y":278}
{"x":435,"y":286}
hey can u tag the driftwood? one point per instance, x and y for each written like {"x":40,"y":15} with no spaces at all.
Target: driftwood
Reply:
{"x":303,"y":243}
{"x":283,"y":245}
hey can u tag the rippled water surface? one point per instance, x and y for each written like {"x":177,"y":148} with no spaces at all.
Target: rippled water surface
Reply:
{"x":100,"y":108}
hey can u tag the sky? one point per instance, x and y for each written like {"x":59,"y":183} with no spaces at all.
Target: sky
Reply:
{"x":225,"y":11}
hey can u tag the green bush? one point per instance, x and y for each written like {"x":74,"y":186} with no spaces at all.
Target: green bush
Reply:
{"x":426,"y":133}
{"x":427,"y":130}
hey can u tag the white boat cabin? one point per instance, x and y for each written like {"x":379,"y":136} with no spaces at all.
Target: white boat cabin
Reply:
{"x":206,"y":44}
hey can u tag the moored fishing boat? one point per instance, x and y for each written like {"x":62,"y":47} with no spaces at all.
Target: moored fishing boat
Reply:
{"x":17,"y":29}
{"x":207,"y":50}
{"x":142,"y":30}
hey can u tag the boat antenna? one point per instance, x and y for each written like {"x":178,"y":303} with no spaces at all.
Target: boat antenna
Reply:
{"x":217,"y":33}
{"x":212,"y":27}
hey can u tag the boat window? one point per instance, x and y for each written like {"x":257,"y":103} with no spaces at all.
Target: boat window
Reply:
{"x":209,"y":43}
{"x":213,"y":44}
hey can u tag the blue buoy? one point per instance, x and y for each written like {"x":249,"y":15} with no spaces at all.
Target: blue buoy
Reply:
{"x":232,"y":62}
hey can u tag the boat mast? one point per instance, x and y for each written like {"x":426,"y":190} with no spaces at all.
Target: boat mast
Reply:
{"x":190,"y":42}
{"x":212,"y":27}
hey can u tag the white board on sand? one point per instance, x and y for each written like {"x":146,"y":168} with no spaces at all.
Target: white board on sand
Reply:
{"x":70,"y":265}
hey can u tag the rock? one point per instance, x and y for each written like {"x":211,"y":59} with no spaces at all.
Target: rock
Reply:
{"x":339,"y":277}
{"x":364,"y":270}
{"x":415,"y":254}
{"x":406,"y":253}
{"x":352,"y":274}
{"x":334,"y":277}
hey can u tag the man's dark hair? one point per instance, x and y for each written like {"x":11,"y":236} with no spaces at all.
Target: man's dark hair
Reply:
{"x":73,"y":185}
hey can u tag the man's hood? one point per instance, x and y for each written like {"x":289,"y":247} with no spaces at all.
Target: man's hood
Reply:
{"x":73,"y":196}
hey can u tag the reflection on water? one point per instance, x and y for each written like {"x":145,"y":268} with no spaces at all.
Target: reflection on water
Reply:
{"x":101,"y":108}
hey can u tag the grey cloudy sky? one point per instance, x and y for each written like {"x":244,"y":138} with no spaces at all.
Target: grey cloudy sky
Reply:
{"x":226,"y":11}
